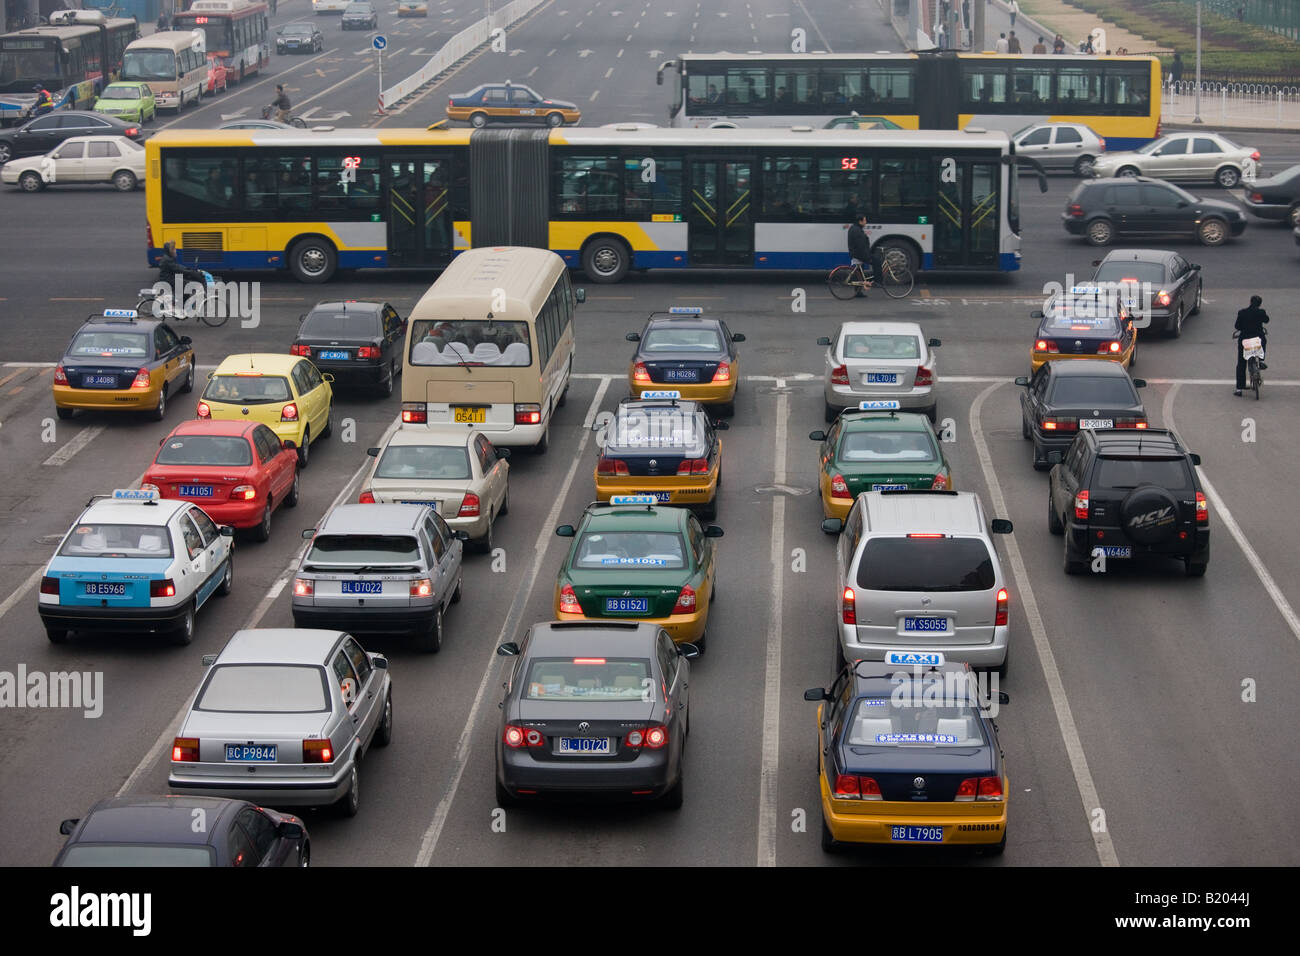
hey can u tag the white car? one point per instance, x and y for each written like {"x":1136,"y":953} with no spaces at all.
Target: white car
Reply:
{"x":80,"y":159}
{"x":136,"y":562}
{"x":456,"y":471}
{"x":1185,"y":157}
{"x":881,"y":360}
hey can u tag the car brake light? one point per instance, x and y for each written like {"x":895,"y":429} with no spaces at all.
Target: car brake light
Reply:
{"x":185,"y":749}
{"x":414,"y":413}
{"x":528,"y":414}
{"x":203,"y":410}
{"x":940,"y":483}
{"x":1256,"y":197}
{"x":141,"y":379}
{"x":469,"y":506}
{"x":1001,"y":619}
{"x":685,"y":601}
{"x":569,"y":601}
{"x":1202,"y":508}
{"x":148,"y":235}
{"x":49,"y":585}
{"x":1163,"y":297}
{"x":516,"y":737}
{"x":1044,"y":345}
{"x":1255,"y":155}
{"x":135,"y":131}
{"x":990,"y":788}
{"x":1075,"y":210}
{"x":840,"y":487}
{"x":924,"y":376}
{"x":652,"y":738}
{"x":162,"y":587}
{"x":317,"y":751}
{"x":1101,"y":143}
{"x":967,"y":790}
{"x":840,"y":375}
{"x":640,"y":373}
{"x":1159,"y":124}
{"x":1060,"y":424}
{"x":300,"y":350}
{"x":302,"y":587}
{"x":244,"y":492}
{"x":367,"y":498}
{"x":289,"y":413}
{"x":723,"y":373}
{"x":848,"y":606}
{"x":611,"y":467}
{"x":368,"y":352}
{"x":589,"y":661}
{"x":1108,"y":348}
{"x":60,"y":376}
{"x":846,"y":785}
{"x":870,"y":789}
{"x":1081,"y":506}
{"x":422,"y":587}
{"x":1130,"y":423}
{"x":693,"y":466}
{"x":925,"y":534}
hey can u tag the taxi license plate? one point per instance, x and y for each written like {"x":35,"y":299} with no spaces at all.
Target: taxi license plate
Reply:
{"x":627,"y":605}
{"x":251,"y":753}
{"x":476,"y":413}
{"x":100,"y":588}
{"x":916,"y":834}
{"x":1096,"y":423}
{"x":681,"y":375}
{"x":925,"y":624}
{"x":889,"y":487}
{"x":197,"y":491}
{"x":363,"y":587}
{"x":100,"y":381}
{"x":329,"y":356}
{"x":1116,"y":550}
{"x":585,"y":746}
{"x":881,"y":378}
{"x":658,"y":495}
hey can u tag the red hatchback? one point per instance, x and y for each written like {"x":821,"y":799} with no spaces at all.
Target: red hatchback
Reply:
{"x":238,"y":472}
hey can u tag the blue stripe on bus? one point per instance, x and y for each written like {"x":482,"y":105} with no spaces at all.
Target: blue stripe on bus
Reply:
{"x":1119,"y":144}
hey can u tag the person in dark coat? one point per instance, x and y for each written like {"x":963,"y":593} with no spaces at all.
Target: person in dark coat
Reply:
{"x":1250,"y":324}
{"x":1176,"y":68}
{"x":860,"y":246}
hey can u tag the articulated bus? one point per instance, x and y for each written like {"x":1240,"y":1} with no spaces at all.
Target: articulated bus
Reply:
{"x":235,"y":34}
{"x":173,"y":63}
{"x":606,"y":200}
{"x":74,"y":58}
{"x":1117,"y":96}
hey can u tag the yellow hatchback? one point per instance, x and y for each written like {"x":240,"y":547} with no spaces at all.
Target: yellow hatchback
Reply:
{"x":287,"y":393}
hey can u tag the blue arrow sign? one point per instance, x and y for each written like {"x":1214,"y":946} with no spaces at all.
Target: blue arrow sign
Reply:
{"x":379,"y":42}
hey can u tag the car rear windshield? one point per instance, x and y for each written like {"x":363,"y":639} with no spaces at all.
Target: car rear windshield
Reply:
{"x":247,"y":389}
{"x":110,"y":344}
{"x":589,"y":678}
{"x":338,"y":325}
{"x":926,"y":564}
{"x":655,"y":427}
{"x":882,"y":346}
{"x":902,"y":722}
{"x":1131,"y":272}
{"x":470,"y":342}
{"x":117,"y":541}
{"x":1083,"y":313}
{"x":658,"y":550}
{"x":1171,"y":473}
{"x":264,"y":689}
{"x":432,"y":462}
{"x":229,"y":450}
{"x":364,"y":549}
{"x":1108,"y":390}
{"x":681,"y":340}
{"x":119,"y":854}
{"x":887,"y":446}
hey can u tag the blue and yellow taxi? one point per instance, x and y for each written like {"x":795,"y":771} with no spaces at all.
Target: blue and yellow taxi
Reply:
{"x":1085,"y":322}
{"x":909,"y":754}
{"x":134,"y":561}
{"x":121,"y":360}
{"x":683,"y":350}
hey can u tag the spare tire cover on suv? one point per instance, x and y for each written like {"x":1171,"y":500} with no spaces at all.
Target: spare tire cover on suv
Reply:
{"x":1149,"y":515}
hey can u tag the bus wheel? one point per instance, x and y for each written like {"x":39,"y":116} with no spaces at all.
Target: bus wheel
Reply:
{"x":899,"y":252}
{"x":312,"y":260}
{"x":606,"y":259}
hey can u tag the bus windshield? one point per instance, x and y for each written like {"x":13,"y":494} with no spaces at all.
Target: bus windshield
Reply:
{"x":21,"y":69}
{"x":215,"y":30}
{"x":146,"y":65}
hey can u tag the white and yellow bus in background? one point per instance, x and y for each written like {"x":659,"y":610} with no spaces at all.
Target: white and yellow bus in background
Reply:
{"x":490,"y":346}
{"x":328,"y":6}
{"x":173,"y":62}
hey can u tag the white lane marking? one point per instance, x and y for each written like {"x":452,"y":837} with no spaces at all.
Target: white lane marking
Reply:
{"x":492,"y":671}
{"x":329,"y":89}
{"x":78,"y":442}
{"x":1060,"y":702}
{"x":1221,"y":509}
{"x":609,"y":73}
{"x":530,"y":73}
{"x":593,"y":96}
{"x":169,"y":732}
{"x":767,"y":791}
{"x":825,"y":42}
{"x":21,"y":593}
{"x":619,"y":54}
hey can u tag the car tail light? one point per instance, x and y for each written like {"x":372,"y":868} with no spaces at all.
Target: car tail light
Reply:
{"x":450,"y":102}
{"x":367,"y":498}
{"x":967,"y":790}
{"x":203,"y":410}
{"x":162,"y":588}
{"x":1001,"y":619}
{"x":302,"y":587}
{"x":60,"y":376}
{"x":569,"y":601}
{"x":422,"y":588}
{"x":652,"y":738}
{"x":1101,"y":143}
{"x":923,"y":376}
{"x":1046,"y":345}
{"x":693,"y":466}
{"x":852,"y":787}
{"x":317,"y":751}
{"x":940,"y":482}
{"x":685,"y":601}
{"x":414,"y":413}
{"x":185,"y":750}
{"x":49,"y":585}
{"x":870,"y":789}
{"x":1060,"y":424}
{"x":528,"y":414}
{"x":925,"y":534}
{"x":300,"y":350}
{"x":1081,"y":506}
{"x":1256,"y":197}
{"x":289,"y":413}
{"x":1075,"y":211}
{"x":146,"y":486}
{"x":723,"y":373}
{"x":469,"y":506}
{"x":1163,"y":297}
{"x":368,"y":352}
{"x":610,"y":467}
{"x":589,"y":661}
{"x":148,"y":235}
{"x":990,"y":788}
{"x":840,"y":487}
{"x":141,"y":379}
{"x":1108,"y":348}
{"x":640,"y":373}
{"x":244,"y":493}
{"x":1202,"y":508}
{"x":840,"y":375}
{"x":848,"y":607}
{"x":516,"y":737}
{"x":1159,"y":124}
{"x":1130,"y":423}
{"x":135,"y":131}
{"x":1255,"y":155}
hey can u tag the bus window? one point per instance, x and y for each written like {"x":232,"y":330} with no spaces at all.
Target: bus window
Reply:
{"x":843,"y":187}
{"x":746,"y":88}
{"x":797,"y":88}
{"x":661,"y":195}
{"x":905,"y":189}
{"x":199,"y":189}
{"x":470,"y":342}
{"x":985,"y":91}
{"x":788,"y":187}
{"x":1032,"y":85}
{"x":588,"y":184}
{"x":889,"y":86}
{"x":1077,"y":86}
{"x":841,"y":89}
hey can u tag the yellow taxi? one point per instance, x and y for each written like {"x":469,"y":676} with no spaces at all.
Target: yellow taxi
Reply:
{"x":287,"y":393}
{"x":661,"y":446}
{"x":682,"y":350}
{"x":1087,"y":322}
{"x":122,"y":360}
{"x":509,"y":101}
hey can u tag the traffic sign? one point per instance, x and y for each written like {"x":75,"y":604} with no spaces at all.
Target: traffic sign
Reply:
{"x":379,"y":42}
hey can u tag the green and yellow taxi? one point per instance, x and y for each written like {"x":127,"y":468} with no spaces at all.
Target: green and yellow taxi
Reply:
{"x":129,"y":101}
{"x":661,"y":446}
{"x":120,"y":360}
{"x":874,"y":447}
{"x":634,"y":559}
{"x":684,"y":350}
{"x":287,"y":393}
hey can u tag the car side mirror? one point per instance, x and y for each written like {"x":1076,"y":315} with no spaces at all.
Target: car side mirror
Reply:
{"x":309,"y":533}
{"x":372,"y":452}
{"x":67,"y":826}
{"x":460,"y":535}
{"x":503,"y":453}
{"x":934,"y":343}
{"x":1022,"y":381}
{"x":1193,"y":266}
{"x":207,"y":660}
{"x":186,"y":340}
{"x":832,"y":526}
{"x":824,"y":340}
{"x":1139,"y":383}
{"x":288,"y":444}
{"x":303,"y":316}
{"x":380,"y":662}
{"x":328,"y":377}
{"x":227,"y":531}
{"x":580,"y":295}
{"x":1000,"y":526}
{"x":1054,"y":457}
{"x":633,"y":336}
{"x":1004,"y":697}
{"x":289,"y":831}
{"x":565,"y":531}
{"x":1095,"y":263}
{"x":818,"y":435}
{"x":688,"y":651}
{"x":721,"y":425}
{"x":1036,"y":314}
{"x":1182,"y":204}
{"x":738,"y":337}
{"x":713,"y":531}
{"x":508,"y":649}
{"x":1196,"y":459}
{"x":815,"y":693}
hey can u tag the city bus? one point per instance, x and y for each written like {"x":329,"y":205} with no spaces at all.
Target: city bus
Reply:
{"x":173,"y":63}
{"x":74,"y":58}
{"x":235,"y":33}
{"x":1117,"y":96}
{"x":491,"y":345}
{"x":328,"y":6}
{"x":605,"y":200}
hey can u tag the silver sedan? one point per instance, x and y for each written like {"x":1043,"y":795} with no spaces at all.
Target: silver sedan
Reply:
{"x":283,"y":718}
{"x":881,"y":360}
{"x":1071,"y":146}
{"x":1199,"y":157}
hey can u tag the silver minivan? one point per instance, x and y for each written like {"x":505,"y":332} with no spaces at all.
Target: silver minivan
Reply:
{"x":380,"y":569}
{"x":918,"y":569}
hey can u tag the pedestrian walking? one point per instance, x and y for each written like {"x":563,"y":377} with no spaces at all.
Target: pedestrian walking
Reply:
{"x":1001,"y":45}
{"x":1176,"y":69}
{"x":1040,"y":48}
{"x":1013,"y":43}
{"x":1058,"y":45}
{"x":1013,"y":8}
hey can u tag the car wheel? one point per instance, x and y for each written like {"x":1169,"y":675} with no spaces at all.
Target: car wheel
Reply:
{"x":263,"y":530}
{"x":6,"y":153}
{"x":544,"y":442}
{"x":160,"y":411}
{"x":702,"y":642}
{"x":505,"y":502}
{"x":64,"y":413}
{"x":430,"y":641}
{"x":504,"y":798}
{"x":1037,"y":458}
{"x":384,"y":735}
{"x":554,"y":119}
{"x":1006,"y":662}
{"x":184,"y":633}
{"x":829,"y":843}
{"x":831,"y":413}
{"x":1070,"y":562}
{"x":1174,"y":329}
{"x":31,"y":182}
{"x":1054,"y":523}
{"x":1083,"y":166}
{"x":329,"y":422}
{"x":227,"y":579}
{"x":1024,"y":427}
{"x":295,"y":490}
{"x":124,"y":180}
{"x":1133,"y":358}
{"x":386,"y":386}
{"x":1196,"y":306}
{"x":1227,"y":177}
{"x":1212,"y":232}
{"x":188,"y":385}
{"x":996,"y":849}
{"x":1195,"y":569}
{"x":351,"y":801}
{"x":57,"y":635}
{"x":478,"y":120}
{"x":1100,"y":232}
{"x":726,"y":409}
{"x":672,"y":800}
{"x":1293,"y":217}
{"x":606,"y":259}
{"x":304,"y":450}
{"x":709,"y":511}
{"x":313,"y":260}
{"x":1129,"y":172}
{"x":932,"y":413}
{"x":304,"y":856}
{"x":460,"y":586}
{"x":484,"y":544}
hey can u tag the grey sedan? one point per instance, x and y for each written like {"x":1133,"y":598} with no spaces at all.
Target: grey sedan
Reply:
{"x":284,"y":717}
{"x":1203,"y":157}
{"x":880,"y":361}
{"x":1071,"y":146}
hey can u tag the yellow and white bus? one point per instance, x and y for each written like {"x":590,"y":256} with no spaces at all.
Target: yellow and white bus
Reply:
{"x":490,"y":346}
{"x":173,"y":62}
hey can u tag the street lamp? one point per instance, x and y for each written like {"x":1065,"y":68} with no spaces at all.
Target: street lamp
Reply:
{"x":1198,"y":62}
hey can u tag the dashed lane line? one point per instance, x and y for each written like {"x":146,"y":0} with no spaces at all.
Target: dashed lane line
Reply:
{"x":78,"y":442}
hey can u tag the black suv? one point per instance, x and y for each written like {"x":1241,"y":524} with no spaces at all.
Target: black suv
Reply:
{"x":1102,"y":209}
{"x":1129,"y":494}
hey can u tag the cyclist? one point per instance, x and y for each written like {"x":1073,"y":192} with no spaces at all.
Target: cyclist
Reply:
{"x":1250,"y":324}
{"x":170,"y":266}
{"x":281,"y":104}
{"x":860,"y":247}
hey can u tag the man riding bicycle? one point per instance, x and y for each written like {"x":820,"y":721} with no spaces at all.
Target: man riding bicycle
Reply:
{"x":860,"y":247}
{"x":1249,"y":325}
{"x":281,"y":104}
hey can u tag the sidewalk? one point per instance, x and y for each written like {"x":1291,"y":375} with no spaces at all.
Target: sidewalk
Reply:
{"x":1050,"y":17}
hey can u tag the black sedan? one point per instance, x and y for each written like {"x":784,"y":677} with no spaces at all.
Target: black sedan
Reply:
{"x":299,"y":38}
{"x":595,"y":709}
{"x":682,"y":350}
{"x":1158,"y":288}
{"x":1063,"y":397}
{"x":45,"y":132}
{"x":359,"y":343}
{"x":1276,"y":197}
{"x":360,"y":15}
{"x":183,"y":831}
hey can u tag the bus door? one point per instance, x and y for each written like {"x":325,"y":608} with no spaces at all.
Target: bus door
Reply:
{"x":967,"y":225}
{"x":720,"y":225}
{"x":418,"y":210}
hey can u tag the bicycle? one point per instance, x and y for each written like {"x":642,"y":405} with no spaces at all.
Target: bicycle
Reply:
{"x":1253,"y":351}
{"x":208,"y":315}
{"x":294,"y":121}
{"x":895,"y":278}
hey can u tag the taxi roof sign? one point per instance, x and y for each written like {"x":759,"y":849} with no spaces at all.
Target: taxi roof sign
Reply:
{"x":880,"y":405}
{"x":914,"y":658}
{"x":120,"y":313}
{"x":632,"y":499}
{"x":685,"y":310}
{"x":670,"y":393}
{"x":134,"y":494}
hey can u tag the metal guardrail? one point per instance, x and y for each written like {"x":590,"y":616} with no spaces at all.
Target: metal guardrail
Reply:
{"x":457,"y":48}
{"x":1238,"y":101}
